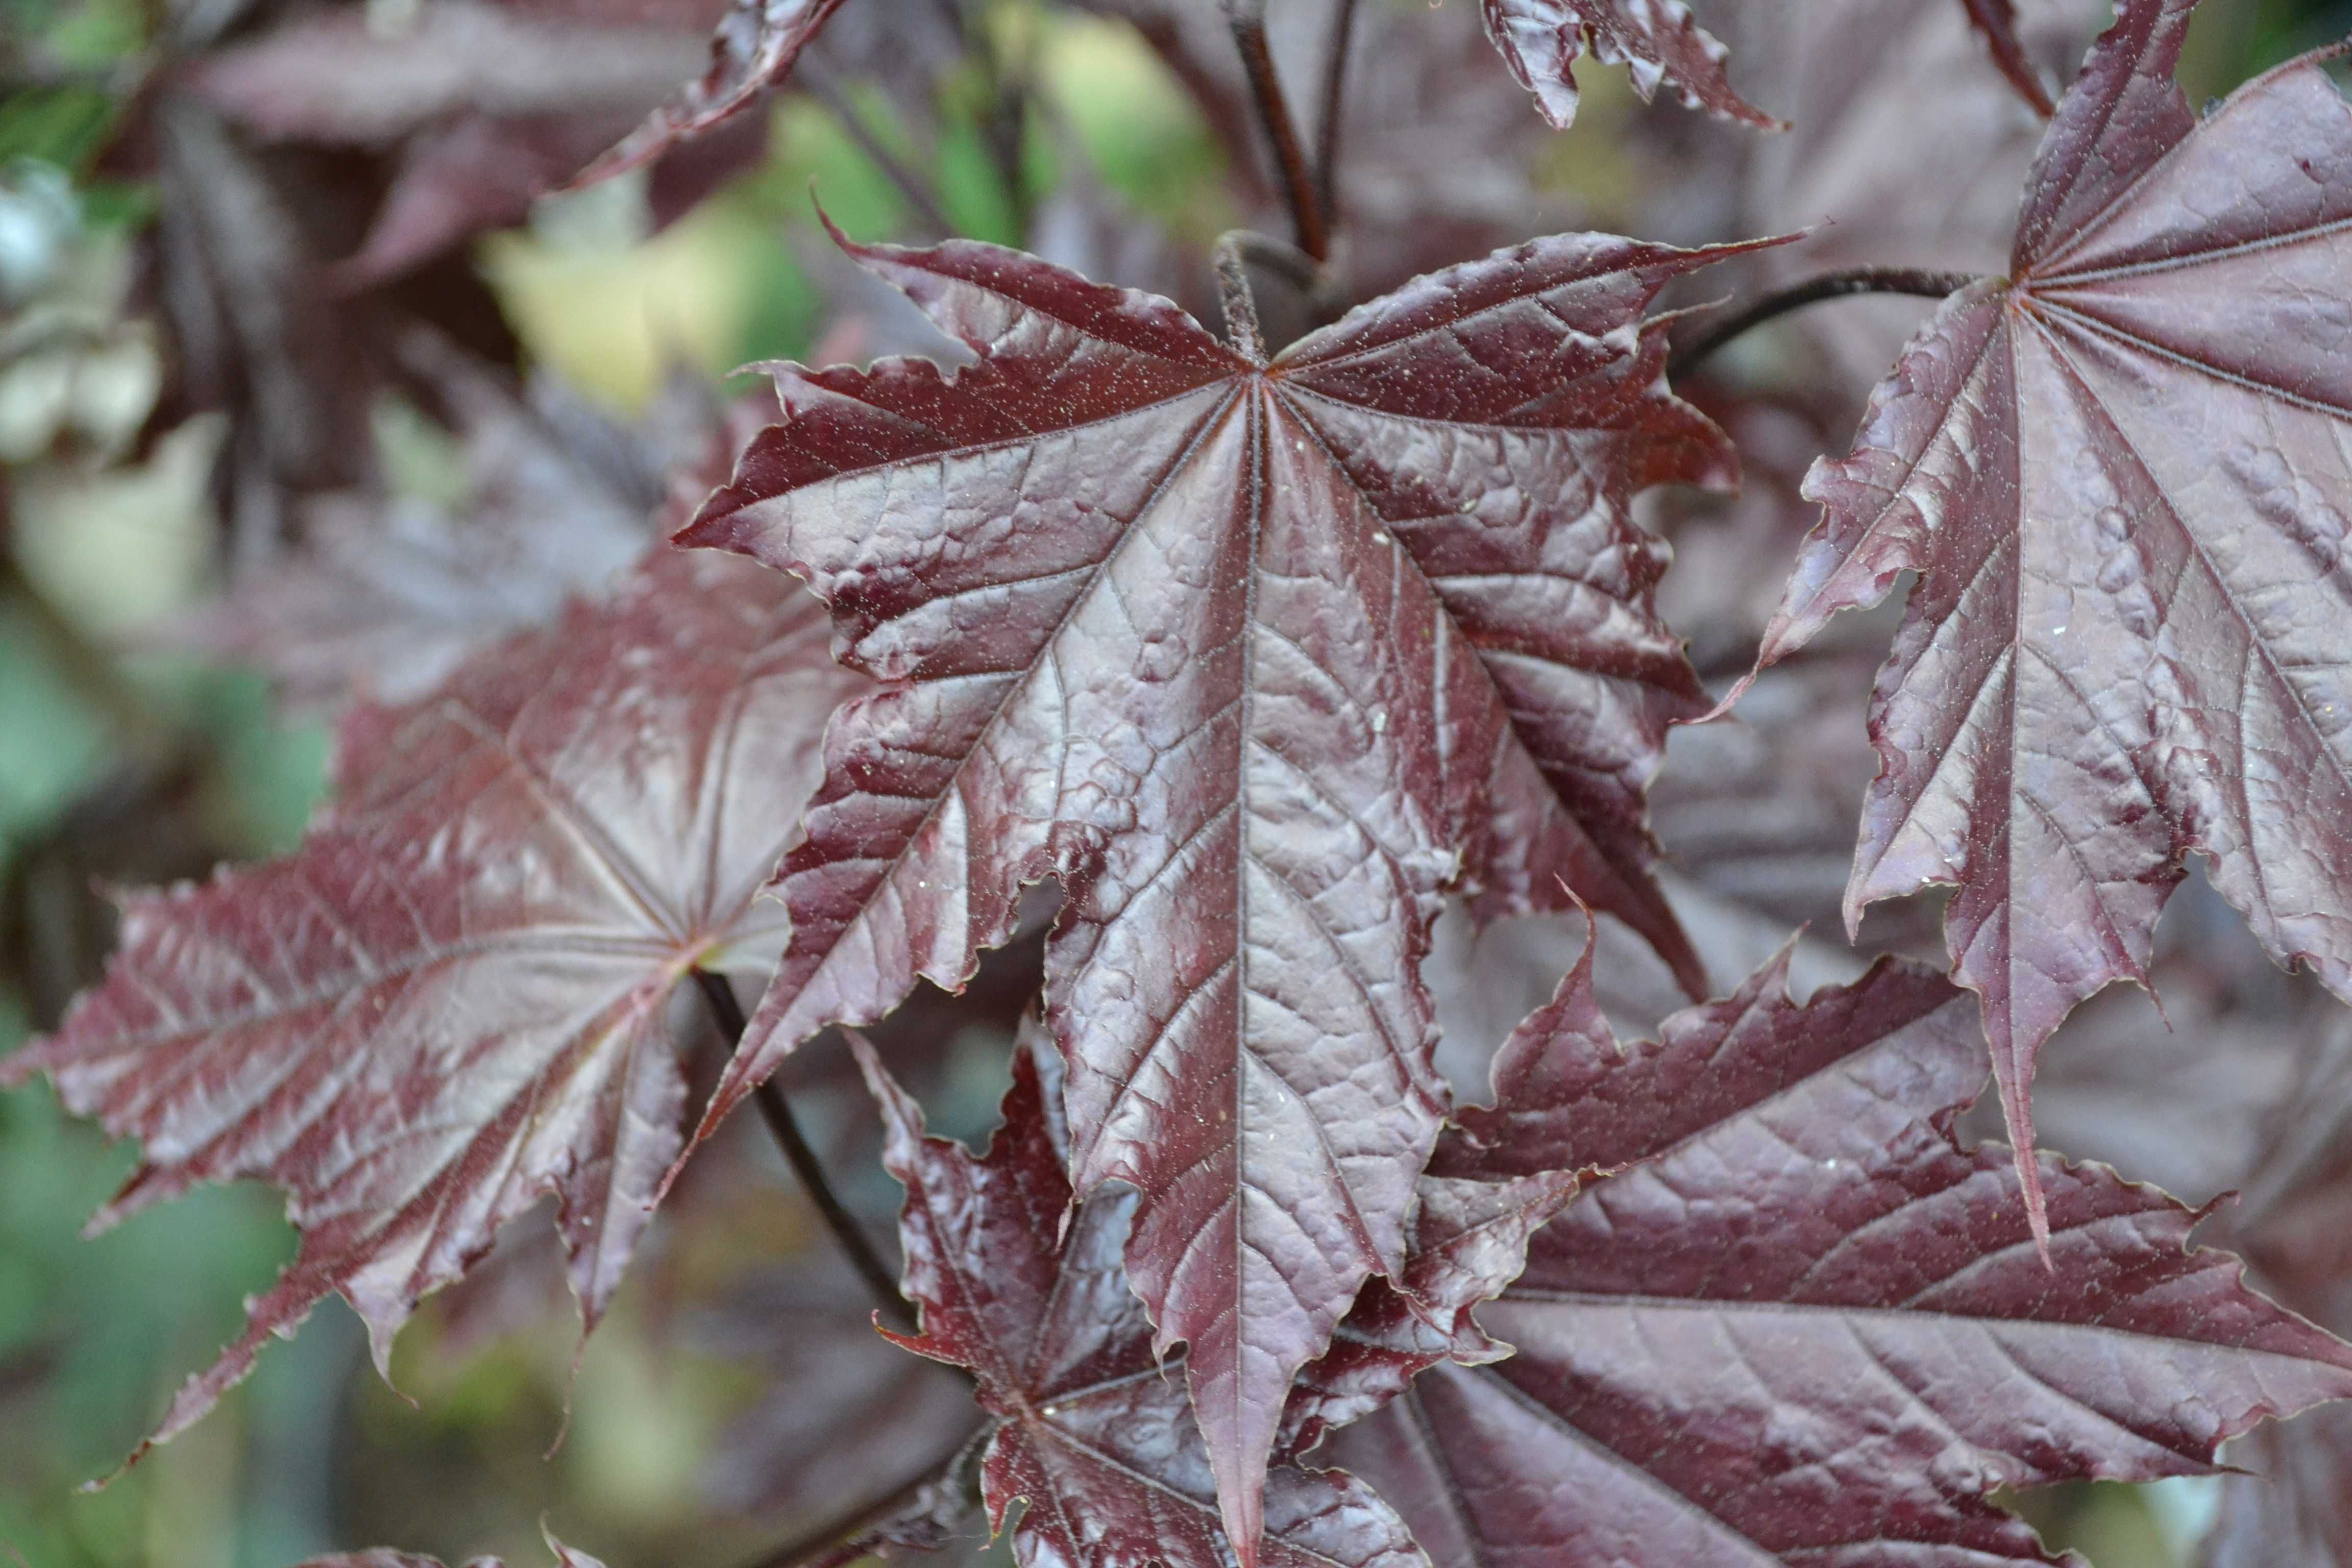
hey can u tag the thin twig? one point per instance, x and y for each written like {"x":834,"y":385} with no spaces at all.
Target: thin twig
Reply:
{"x":1006,"y":123}
{"x":854,"y":1534}
{"x":1242,"y":329}
{"x":719,"y":995}
{"x":1338,"y":48}
{"x":1829,"y":286}
{"x":1247,"y":19}
{"x":812,"y":78}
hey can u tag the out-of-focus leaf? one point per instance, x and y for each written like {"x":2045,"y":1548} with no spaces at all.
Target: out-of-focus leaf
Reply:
{"x":386,"y":1557}
{"x":338,"y":77}
{"x":751,"y":52}
{"x":255,"y":332}
{"x":1657,"y":40}
{"x":1903,"y":151}
{"x":2292,"y":1505}
{"x":451,"y":1001}
{"x":2293,"y":1508}
{"x":480,"y":109}
{"x":1997,"y":20}
{"x":388,"y":593}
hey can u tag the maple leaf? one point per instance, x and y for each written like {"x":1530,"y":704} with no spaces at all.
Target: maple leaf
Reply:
{"x":476,"y":109}
{"x":1477,"y":1204}
{"x":451,"y":1002}
{"x":2120,"y":473}
{"x":388,"y":593}
{"x":1656,"y":40}
{"x":751,"y":52}
{"x":1997,"y":20}
{"x":1800,"y":1324}
{"x":1092,"y":1432}
{"x":1257,"y":658}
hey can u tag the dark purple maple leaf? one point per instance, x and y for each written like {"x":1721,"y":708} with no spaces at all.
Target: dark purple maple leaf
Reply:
{"x":2122,"y":477}
{"x":451,"y":1001}
{"x":476,"y":109}
{"x":387,"y":593}
{"x":1802,"y":1324}
{"x":1476,"y":1206}
{"x":1656,"y":40}
{"x":1258,"y":660}
{"x":751,"y":52}
{"x":1092,"y":1432}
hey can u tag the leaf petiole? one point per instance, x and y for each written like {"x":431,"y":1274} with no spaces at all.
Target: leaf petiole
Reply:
{"x":881,"y":1279}
{"x":1812,"y":291}
{"x":1247,"y":19}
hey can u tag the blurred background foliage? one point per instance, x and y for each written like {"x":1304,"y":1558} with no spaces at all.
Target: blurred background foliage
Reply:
{"x":125,"y":758}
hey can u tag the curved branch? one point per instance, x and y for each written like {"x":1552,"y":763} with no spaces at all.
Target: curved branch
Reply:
{"x":926,"y":1502}
{"x":1828,"y":286}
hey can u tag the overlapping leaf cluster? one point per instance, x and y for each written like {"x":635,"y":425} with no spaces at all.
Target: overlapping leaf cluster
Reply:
{"x":1262,"y":655}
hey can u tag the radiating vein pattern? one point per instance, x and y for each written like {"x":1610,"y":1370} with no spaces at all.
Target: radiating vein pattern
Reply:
{"x":451,"y":1002}
{"x":1259,"y":660}
{"x":2124,"y":477}
{"x":1802,"y":1325}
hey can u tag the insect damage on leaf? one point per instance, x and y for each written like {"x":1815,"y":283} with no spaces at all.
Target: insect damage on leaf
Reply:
{"x":2121,"y":475}
{"x":1801,"y":1323}
{"x":1259,"y":659}
{"x":451,"y":1002}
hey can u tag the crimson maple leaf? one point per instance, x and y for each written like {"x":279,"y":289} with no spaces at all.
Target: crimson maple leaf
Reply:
{"x":1656,"y":40}
{"x":1091,"y":1430}
{"x":1800,"y":1324}
{"x":2121,"y":474}
{"x":1258,"y":658}
{"x":451,"y":1002}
